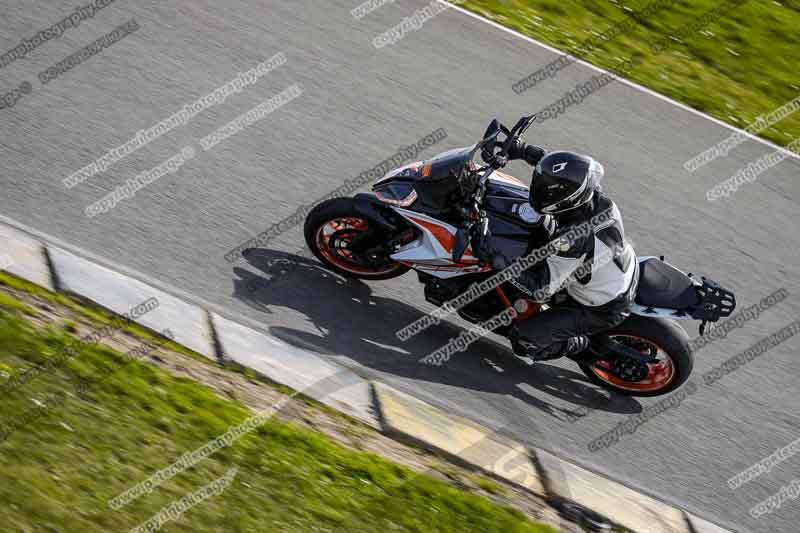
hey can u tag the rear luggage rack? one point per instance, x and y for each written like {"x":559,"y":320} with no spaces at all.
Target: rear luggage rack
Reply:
{"x":715,"y":303}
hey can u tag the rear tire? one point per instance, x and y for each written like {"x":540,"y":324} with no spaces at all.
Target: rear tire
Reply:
{"x":341,"y":212}
{"x":672,"y":342}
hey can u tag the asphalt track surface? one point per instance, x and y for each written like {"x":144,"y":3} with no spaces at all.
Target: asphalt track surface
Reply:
{"x":358,"y":105}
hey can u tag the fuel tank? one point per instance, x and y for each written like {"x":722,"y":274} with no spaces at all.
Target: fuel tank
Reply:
{"x":515,"y":226}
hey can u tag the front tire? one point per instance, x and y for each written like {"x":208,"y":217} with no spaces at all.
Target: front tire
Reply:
{"x":330,"y":226}
{"x":665,"y":340}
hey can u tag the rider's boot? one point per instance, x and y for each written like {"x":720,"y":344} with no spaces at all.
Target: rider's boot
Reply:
{"x":528,"y":350}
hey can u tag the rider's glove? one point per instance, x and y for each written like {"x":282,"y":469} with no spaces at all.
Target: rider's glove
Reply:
{"x":530,"y":153}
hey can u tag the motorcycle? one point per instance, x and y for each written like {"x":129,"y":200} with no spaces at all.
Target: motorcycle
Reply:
{"x":433,"y":216}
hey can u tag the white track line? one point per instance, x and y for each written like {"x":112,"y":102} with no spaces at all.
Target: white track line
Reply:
{"x":622,"y":80}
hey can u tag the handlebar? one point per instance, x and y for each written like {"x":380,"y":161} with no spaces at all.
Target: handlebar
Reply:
{"x":497,"y":160}
{"x":494,"y":161}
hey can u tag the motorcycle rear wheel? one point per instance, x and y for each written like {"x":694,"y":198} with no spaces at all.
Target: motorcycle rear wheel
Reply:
{"x":663,"y":339}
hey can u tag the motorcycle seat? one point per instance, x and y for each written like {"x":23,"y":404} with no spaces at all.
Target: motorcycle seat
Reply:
{"x":663,"y":285}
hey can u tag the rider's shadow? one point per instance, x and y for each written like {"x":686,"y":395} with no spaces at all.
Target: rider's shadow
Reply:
{"x":349,"y":319}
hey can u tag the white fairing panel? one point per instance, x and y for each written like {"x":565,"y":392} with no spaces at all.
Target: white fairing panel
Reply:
{"x":433,"y":251}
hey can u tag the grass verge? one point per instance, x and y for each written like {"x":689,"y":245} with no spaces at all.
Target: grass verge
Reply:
{"x":74,"y":438}
{"x":93,"y":312}
{"x":738,"y":67}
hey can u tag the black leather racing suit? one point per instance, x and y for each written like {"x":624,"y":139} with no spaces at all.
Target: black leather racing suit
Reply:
{"x":594,"y":274}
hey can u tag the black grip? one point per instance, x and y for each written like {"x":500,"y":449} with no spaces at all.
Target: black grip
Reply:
{"x":530,"y":153}
{"x":533,"y":154}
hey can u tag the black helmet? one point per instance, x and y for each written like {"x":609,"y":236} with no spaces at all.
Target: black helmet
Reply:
{"x":563,"y":181}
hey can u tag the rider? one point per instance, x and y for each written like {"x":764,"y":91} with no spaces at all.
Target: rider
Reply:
{"x":599,"y":269}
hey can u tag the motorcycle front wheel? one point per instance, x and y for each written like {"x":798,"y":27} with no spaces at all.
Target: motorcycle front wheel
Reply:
{"x":331,"y":226}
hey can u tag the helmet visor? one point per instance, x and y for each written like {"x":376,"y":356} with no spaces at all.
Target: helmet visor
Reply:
{"x":550,"y":194}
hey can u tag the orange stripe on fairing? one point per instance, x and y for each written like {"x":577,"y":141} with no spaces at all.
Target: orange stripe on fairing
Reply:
{"x":507,"y":177}
{"x":444,"y":237}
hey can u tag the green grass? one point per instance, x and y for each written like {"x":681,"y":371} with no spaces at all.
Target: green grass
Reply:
{"x":737,"y":68}
{"x":487,"y":484}
{"x":100,"y":316}
{"x":12,"y":304}
{"x":60,"y":468}
{"x":93,"y":312}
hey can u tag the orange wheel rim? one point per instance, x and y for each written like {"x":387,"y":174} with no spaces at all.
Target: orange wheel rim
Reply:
{"x":659,"y":374}
{"x":337,"y":253}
